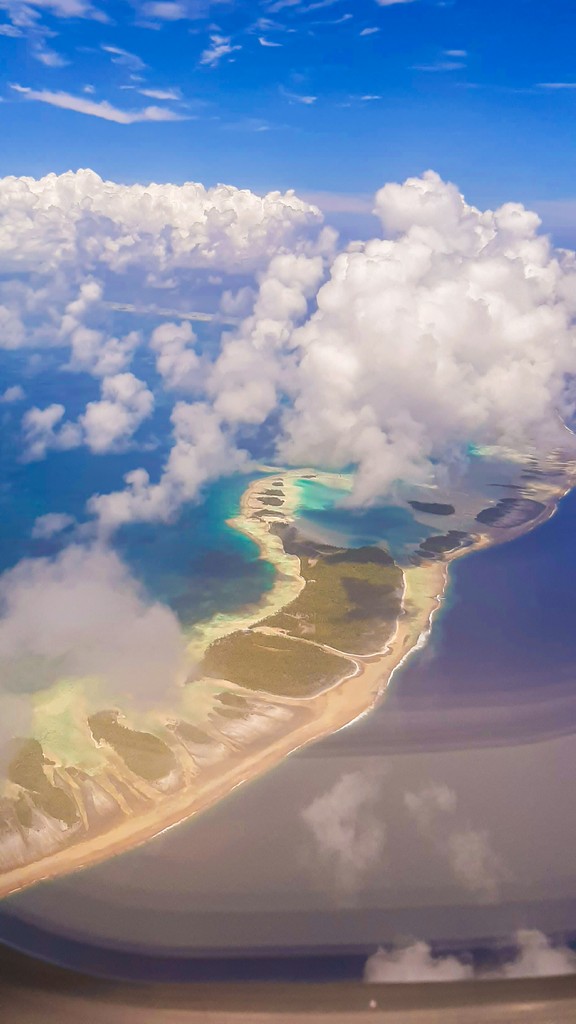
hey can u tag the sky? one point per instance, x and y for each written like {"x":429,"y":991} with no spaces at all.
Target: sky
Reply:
{"x":324,"y":96}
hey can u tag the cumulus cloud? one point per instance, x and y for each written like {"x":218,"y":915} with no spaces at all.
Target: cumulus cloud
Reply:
{"x":82,"y":615}
{"x":51,"y":524}
{"x":111,"y":422}
{"x":77,"y":223}
{"x":45,"y":428}
{"x":349,"y":837}
{"x":105,"y":425}
{"x":468,"y":851}
{"x":457,"y":328}
{"x":12,"y":394}
{"x":393,"y":356}
{"x":203,"y":450}
{"x":102,"y":109}
{"x":176,"y":361}
{"x":536,"y":956}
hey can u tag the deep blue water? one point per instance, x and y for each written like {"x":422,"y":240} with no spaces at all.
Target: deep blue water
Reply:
{"x":198,"y":565}
{"x":499,"y":666}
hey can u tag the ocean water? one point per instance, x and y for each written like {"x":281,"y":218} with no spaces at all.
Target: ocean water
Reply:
{"x":198,"y":565}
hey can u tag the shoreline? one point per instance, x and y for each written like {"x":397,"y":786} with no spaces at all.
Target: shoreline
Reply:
{"x":323,"y":714}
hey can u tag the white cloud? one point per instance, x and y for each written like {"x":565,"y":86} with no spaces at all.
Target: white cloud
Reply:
{"x":10,"y":30}
{"x":124,"y":58}
{"x":161,"y":94}
{"x":165,"y":10}
{"x":51,"y":524}
{"x":391,"y":3}
{"x":536,"y":956}
{"x":369,"y":31}
{"x":177,"y":363}
{"x":103,"y":109}
{"x":267,"y":42}
{"x":220,"y":46}
{"x":111,"y":422}
{"x":105,"y":425}
{"x":457,"y":328}
{"x":557,"y":85}
{"x":296,"y":97}
{"x":468,"y":851}
{"x":203,"y":450}
{"x":81,"y":614}
{"x":12,"y":394}
{"x":72,"y":225}
{"x":44,"y":429}
{"x":412,"y":964}
{"x":349,"y":836}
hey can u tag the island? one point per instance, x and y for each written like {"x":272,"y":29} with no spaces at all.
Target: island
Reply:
{"x":313,"y":655}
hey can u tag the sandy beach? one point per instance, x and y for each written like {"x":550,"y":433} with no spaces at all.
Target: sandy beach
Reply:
{"x":314,"y":717}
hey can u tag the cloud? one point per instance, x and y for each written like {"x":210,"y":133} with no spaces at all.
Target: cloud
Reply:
{"x":75,"y":227}
{"x":203,"y":450}
{"x":111,"y":422}
{"x":220,"y":46}
{"x":536,"y":956}
{"x":51,"y":524}
{"x":44,"y":429}
{"x":104,"y":426}
{"x":468,"y":851}
{"x":165,"y":10}
{"x":177,"y":362}
{"x":12,"y":394}
{"x":557,"y":85}
{"x":458,"y":325}
{"x":369,"y":31}
{"x":349,"y":837}
{"x":81,"y":614}
{"x":267,"y":42}
{"x":391,"y":3}
{"x":412,"y":964}
{"x":103,"y":109}
{"x":455,"y":329}
{"x":296,"y":97}
{"x":161,"y":94}
{"x":124,"y":58}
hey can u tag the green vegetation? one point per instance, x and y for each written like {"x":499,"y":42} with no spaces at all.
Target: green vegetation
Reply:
{"x":145,"y":754}
{"x":233,"y":700}
{"x":191,"y":733}
{"x":432,"y":508}
{"x":438,"y":545}
{"x":273,"y":502}
{"x":510,"y":512}
{"x":275,"y":664}
{"x":26,"y":769}
{"x":351,"y":600}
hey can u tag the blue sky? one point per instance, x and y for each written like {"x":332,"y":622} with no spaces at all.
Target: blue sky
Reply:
{"x":272,"y":94}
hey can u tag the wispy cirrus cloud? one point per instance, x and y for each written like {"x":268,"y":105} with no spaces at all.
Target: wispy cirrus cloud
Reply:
{"x":161,"y":94}
{"x":124,"y":58}
{"x":102,"y":109}
{"x":557,"y":85}
{"x":220,"y":46}
{"x":296,"y":97}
